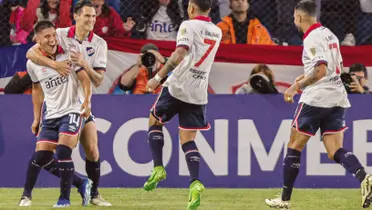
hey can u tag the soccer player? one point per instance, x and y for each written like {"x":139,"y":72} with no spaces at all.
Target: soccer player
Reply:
{"x":64,"y":115}
{"x":88,"y":51}
{"x":322,"y":105}
{"x":185,"y":93}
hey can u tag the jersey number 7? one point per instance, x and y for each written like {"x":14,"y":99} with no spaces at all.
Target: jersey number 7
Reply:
{"x":334,"y":46}
{"x":211,"y":44}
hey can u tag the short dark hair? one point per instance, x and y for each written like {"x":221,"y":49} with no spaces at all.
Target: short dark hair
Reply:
{"x":44,"y":24}
{"x":358,"y":67}
{"x":204,"y":5}
{"x":307,"y":6}
{"x":82,"y":3}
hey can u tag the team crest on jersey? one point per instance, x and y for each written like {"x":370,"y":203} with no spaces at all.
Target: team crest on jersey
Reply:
{"x":313,"y":51}
{"x":183,"y":31}
{"x":90,"y":51}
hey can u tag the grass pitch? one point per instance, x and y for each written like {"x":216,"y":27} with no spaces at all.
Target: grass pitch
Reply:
{"x":169,"y":199}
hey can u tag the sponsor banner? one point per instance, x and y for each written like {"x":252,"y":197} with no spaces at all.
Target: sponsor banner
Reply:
{"x":244,"y":148}
{"x":232,"y":67}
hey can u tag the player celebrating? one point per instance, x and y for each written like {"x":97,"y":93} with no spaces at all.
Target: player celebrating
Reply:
{"x":322,"y":105}
{"x":185,"y":94}
{"x":88,"y":51}
{"x":62,"y":121}
{"x":43,"y":157}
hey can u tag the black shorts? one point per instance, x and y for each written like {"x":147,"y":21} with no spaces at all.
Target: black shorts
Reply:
{"x":308,"y":119}
{"x":190,"y":116}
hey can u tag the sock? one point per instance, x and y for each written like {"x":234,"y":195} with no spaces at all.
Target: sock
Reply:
{"x":66,"y":170}
{"x":290,"y":172}
{"x":53,"y":169}
{"x":94,"y":173}
{"x":37,"y":161}
{"x":156,"y":141}
{"x":351,"y":163}
{"x":192,"y":156}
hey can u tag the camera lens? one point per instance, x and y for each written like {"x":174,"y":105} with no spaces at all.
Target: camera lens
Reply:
{"x":148,"y":59}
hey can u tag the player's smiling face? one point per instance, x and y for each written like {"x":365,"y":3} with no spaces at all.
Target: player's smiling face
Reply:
{"x":47,"y":39}
{"x":86,"y":18}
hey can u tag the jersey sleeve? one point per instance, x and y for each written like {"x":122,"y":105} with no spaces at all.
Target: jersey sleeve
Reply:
{"x":100,"y":62}
{"x":78,"y":69}
{"x":31,"y":72}
{"x":316,"y":51}
{"x":184,"y":35}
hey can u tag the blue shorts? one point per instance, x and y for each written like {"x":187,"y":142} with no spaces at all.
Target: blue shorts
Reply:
{"x":50,"y":130}
{"x":190,"y":116}
{"x":308,"y":119}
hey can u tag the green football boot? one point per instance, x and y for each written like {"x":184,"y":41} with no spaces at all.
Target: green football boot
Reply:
{"x":196,"y":190}
{"x":158,"y":174}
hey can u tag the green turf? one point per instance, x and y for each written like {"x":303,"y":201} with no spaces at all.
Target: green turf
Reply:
{"x":213,"y":199}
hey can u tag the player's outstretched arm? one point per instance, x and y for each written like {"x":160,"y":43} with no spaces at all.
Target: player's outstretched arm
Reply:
{"x":85,"y":82}
{"x":36,"y":55}
{"x":319,"y":72}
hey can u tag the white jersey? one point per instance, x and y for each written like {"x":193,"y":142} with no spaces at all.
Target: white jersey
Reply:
{"x":321,"y":46}
{"x":189,"y":80}
{"x":62,"y":95}
{"x":94,"y":48}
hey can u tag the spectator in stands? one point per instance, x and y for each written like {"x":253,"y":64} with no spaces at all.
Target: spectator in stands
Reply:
{"x":17,"y":34}
{"x":135,"y":79}
{"x":359,"y":74}
{"x":242,"y":27}
{"x":261,"y":80}
{"x":19,"y":84}
{"x":109,"y":23}
{"x":159,"y":20}
{"x":56,"y":11}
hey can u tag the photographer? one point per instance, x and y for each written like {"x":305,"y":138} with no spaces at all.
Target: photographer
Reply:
{"x":261,"y":81}
{"x":149,"y":62}
{"x":356,"y":80}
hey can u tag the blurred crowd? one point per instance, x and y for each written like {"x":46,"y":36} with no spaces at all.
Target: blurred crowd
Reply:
{"x":264,"y":22}
{"x":242,"y":21}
